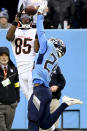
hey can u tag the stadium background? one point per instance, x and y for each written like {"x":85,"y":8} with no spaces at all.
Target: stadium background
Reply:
{"x":74,"y":68}
{"x":11,"y":6}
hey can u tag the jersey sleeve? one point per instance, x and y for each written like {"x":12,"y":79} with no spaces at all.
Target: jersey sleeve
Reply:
{"x":58,"y":79}
{"x":41,"y":34}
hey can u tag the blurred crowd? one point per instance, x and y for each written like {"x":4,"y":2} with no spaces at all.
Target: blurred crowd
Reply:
{"x":4,"y":19}
{"x":62,"y":14}
{"x":67,"y":14}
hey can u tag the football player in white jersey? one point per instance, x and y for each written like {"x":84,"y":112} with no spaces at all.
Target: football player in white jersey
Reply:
{"x":23,"y":38}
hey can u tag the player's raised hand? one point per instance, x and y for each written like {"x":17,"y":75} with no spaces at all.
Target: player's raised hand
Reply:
{"x":16,"y":18}
{"x":43,"y":8}
{"x":20,"y":12}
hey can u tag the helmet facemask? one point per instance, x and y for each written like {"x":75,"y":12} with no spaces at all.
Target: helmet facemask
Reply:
{"x":25,"y":21}
{"x":59,"y":45}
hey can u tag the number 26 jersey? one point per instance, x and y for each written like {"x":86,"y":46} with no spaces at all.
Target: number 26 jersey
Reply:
{"x":45,"y":64}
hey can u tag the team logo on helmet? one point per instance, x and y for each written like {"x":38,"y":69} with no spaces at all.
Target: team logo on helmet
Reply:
{"x":59,"y":45}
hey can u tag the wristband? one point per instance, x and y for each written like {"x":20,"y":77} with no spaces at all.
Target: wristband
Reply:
{"x":15,"y":23}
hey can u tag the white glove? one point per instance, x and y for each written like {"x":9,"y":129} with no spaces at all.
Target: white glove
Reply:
{"x":42,"y":8}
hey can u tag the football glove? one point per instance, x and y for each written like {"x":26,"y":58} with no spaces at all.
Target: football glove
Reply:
{"x":42,"y":8}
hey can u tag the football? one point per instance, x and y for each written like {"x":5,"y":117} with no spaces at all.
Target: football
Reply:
{"x":31,"y":10}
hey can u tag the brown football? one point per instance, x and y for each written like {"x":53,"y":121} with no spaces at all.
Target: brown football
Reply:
{"x":31,"y":10}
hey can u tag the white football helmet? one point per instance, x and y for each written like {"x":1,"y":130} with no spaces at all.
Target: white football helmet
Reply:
{"x":59,"y":45}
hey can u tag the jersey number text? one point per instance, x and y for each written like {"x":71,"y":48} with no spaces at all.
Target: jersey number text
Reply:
{"x":50,"y":62}
{"x":19,"y":44}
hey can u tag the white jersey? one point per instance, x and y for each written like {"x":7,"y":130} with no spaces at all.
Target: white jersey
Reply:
{"x":23,"y":49}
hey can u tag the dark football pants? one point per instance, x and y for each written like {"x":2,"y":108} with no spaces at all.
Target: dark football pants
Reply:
{"x":39,"y":109}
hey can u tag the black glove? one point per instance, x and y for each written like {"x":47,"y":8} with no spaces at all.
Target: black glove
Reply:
{"x":20,"y":12}
{"x":56,"y":95}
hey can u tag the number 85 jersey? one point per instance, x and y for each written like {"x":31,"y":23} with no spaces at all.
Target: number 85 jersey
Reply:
{"x":23,"y":48}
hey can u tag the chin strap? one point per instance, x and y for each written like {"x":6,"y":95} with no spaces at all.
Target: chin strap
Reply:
{"x":25,"y":26}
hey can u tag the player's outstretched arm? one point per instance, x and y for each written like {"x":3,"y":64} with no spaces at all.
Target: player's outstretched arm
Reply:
{"x":40,"y":29}
{"x":10,"y":34}
{"x":11,"y":31}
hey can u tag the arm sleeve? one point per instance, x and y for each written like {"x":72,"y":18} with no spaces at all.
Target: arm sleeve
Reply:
{"x":58,"y":79}
{"x":41,"y":34}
